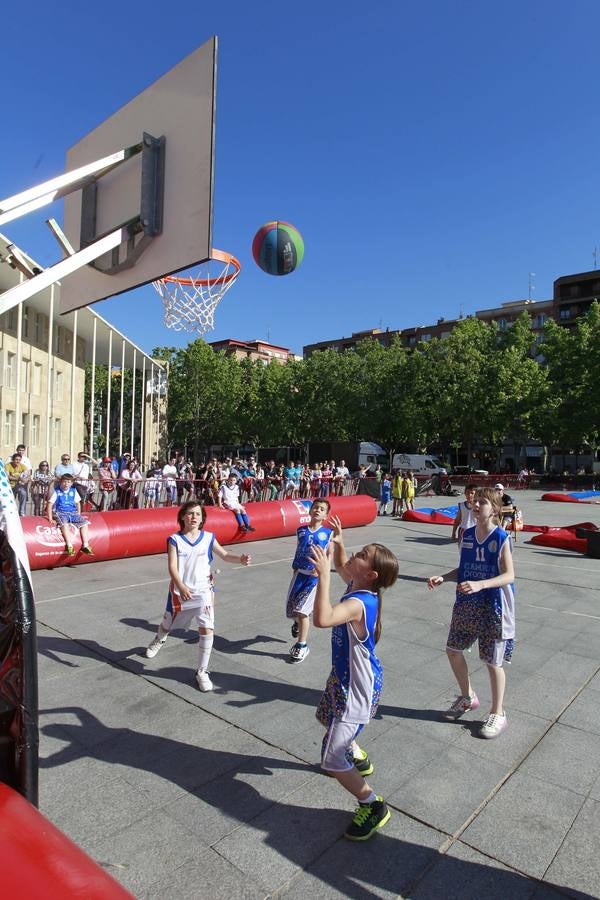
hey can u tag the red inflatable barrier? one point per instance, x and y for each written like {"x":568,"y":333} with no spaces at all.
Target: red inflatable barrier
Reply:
{"x":142,"y":532}
{"x":38,"y":860}
{"x":586,"y":497}
{"x":564,"y":538}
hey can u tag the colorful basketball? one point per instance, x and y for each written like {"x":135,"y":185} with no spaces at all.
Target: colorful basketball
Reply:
{"x":278,"y":248}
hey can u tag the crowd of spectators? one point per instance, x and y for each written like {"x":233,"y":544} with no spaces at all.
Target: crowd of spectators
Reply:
{"x":120,"y":482}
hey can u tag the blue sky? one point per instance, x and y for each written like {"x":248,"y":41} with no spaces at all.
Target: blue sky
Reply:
{"x":432,"y":154}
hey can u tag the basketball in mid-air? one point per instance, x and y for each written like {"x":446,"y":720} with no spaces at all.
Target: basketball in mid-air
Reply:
{"x":278,"y":248}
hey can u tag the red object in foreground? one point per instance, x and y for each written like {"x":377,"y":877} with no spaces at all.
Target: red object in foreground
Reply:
{"x":142,"y":532}
{"x":564,"y":538}
{"x":38,"y":860}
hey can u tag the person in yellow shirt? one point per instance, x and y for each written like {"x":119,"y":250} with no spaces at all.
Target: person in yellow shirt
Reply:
{"x":397,"y":486}
{"x":18,"y":476}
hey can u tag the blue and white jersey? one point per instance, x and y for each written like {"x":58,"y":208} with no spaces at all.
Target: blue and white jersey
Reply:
{"x":479,"y":561}
{"x":65,"y":501}
{"x":386,"y":491}
{"x":357,"y":671}
{"x":193,"y":564}
{"x":307,"y":538}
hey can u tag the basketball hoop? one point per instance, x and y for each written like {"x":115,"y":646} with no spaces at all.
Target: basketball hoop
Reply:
{"x":189,"y":301}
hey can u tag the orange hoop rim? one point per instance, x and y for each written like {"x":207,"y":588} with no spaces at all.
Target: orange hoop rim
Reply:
{"x":217,"y":255}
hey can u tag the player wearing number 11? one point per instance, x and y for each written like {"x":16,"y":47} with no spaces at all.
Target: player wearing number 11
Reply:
{"x":484,"y":609}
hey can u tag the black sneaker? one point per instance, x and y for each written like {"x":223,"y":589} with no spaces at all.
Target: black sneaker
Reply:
{"x":295,"y":630}
{"x":250,"y":528}
{"x":367,"y":819}
{"x":363,"y":764}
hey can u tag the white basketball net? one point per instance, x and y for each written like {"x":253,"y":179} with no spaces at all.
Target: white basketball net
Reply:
{"x":190,"y":299}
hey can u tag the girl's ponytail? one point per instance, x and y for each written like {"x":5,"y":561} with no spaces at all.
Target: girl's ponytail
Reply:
{"x":385,"y":563}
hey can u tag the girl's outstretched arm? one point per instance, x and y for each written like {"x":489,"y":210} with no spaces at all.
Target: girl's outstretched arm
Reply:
{"x":324,"y":614}
{"x":182,"y":589}
{"x":244,"y":559}
{"x":435,"y":580}
{"x":340,"y":557}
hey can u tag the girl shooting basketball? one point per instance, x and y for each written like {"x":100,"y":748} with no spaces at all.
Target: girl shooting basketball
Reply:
{"x":353,"y":688}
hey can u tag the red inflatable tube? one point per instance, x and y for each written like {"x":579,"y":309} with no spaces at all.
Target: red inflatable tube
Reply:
{"x":142,"y":532}
{"x":564,"y":538}
{"x":38,"y":860}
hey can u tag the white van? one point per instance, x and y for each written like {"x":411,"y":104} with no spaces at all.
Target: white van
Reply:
{"x":419,"y":463}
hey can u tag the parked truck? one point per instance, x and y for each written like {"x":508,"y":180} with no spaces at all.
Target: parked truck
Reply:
{"x":354,"y":454}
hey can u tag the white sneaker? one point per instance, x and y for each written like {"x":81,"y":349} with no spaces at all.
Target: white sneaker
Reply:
{"x":493,"y":726}
{"x":154,"y":647}
{"x":299,"y":652}
{"x":204,"y":682}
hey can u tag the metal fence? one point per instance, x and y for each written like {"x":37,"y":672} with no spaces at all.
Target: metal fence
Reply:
{"x":123,"y":493}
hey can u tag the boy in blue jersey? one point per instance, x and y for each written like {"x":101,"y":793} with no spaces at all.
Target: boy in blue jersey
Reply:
{"x":303,"y":586}
{"x":484,"y":609}
{"x":64,"y":508}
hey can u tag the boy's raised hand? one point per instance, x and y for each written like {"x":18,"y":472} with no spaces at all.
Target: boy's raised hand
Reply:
{"x":321,"y":558}
{"x":336,"y":527}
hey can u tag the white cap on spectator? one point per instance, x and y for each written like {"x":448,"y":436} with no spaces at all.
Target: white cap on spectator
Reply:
{"x":499,"y":487}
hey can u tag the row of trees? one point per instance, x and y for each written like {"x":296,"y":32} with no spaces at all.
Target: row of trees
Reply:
{"x":480,"y":386}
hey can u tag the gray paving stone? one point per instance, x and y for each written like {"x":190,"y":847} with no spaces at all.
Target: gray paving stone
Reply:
{"x":145,"y":852}
{"x":567,"y":757}
{"x":584,"y":712}
{"x":204,"y":875}
{"x":523,"y":732}
{"x":463,"y":872}
{"x":289,"y":835}
{"x":540,"y":695}
{"x":432,"y":795}
{"x":576,"y":863}
{"x":381,"y":867}
{"x":524,"y":824}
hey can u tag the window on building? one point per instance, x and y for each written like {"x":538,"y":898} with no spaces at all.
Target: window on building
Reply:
{"x":11,"y":320}
{"x":36,"y":387}
{"x":56,"y":432}
{"x":412,"y":340}
{"x":10,"y":370}
{"x":58,"y":384}
{"x":25,"y":376}
{"x":565,"y":313}
{"x":9,"y":427}
{"x":38,"y":336}
{"x":574,"y":290}
{"x":22,"y":437}
{"x":58,"y":339}
{"x":26,"y":323}
{"x":34,"y":434}
{"x":425,"y":337}
{"x":502,"y":324}
{"x":540,"y":320}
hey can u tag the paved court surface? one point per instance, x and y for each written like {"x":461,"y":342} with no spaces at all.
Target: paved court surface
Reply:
{"x":181,"y":794}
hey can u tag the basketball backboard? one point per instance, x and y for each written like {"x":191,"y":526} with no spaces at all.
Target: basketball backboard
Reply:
{"x":179,"y":107}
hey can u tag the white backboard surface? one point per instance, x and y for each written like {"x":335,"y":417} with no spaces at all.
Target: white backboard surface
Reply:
{"x":180,"y":106}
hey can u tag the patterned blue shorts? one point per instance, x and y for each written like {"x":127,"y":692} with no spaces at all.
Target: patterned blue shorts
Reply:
{"x":482,"y":622}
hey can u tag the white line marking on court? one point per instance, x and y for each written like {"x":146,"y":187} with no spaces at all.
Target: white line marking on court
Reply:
{"x":563,"y":612}
{"x":119,"y":587}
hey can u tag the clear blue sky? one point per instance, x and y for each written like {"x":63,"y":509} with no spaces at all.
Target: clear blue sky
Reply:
{"x":432,"y":154}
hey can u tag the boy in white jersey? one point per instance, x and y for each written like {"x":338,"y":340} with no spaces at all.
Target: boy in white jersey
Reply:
{"x":303,"y":586}
{"x":464,"y":517}
{"x":190,"y":599}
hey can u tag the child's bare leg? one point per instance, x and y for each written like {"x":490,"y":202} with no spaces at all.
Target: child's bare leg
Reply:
{"x":353,"y":781}
{"x":303,"y":627}
{"x":498,"y":684}
{"x":458,"y":664}
{"x":66,"y":534}
{"x":84,"y":535}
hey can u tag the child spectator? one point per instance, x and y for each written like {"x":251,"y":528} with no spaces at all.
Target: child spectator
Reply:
{"x":385,"y":494}
{"x":229,"y":498}
{"x":64,"y":507}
